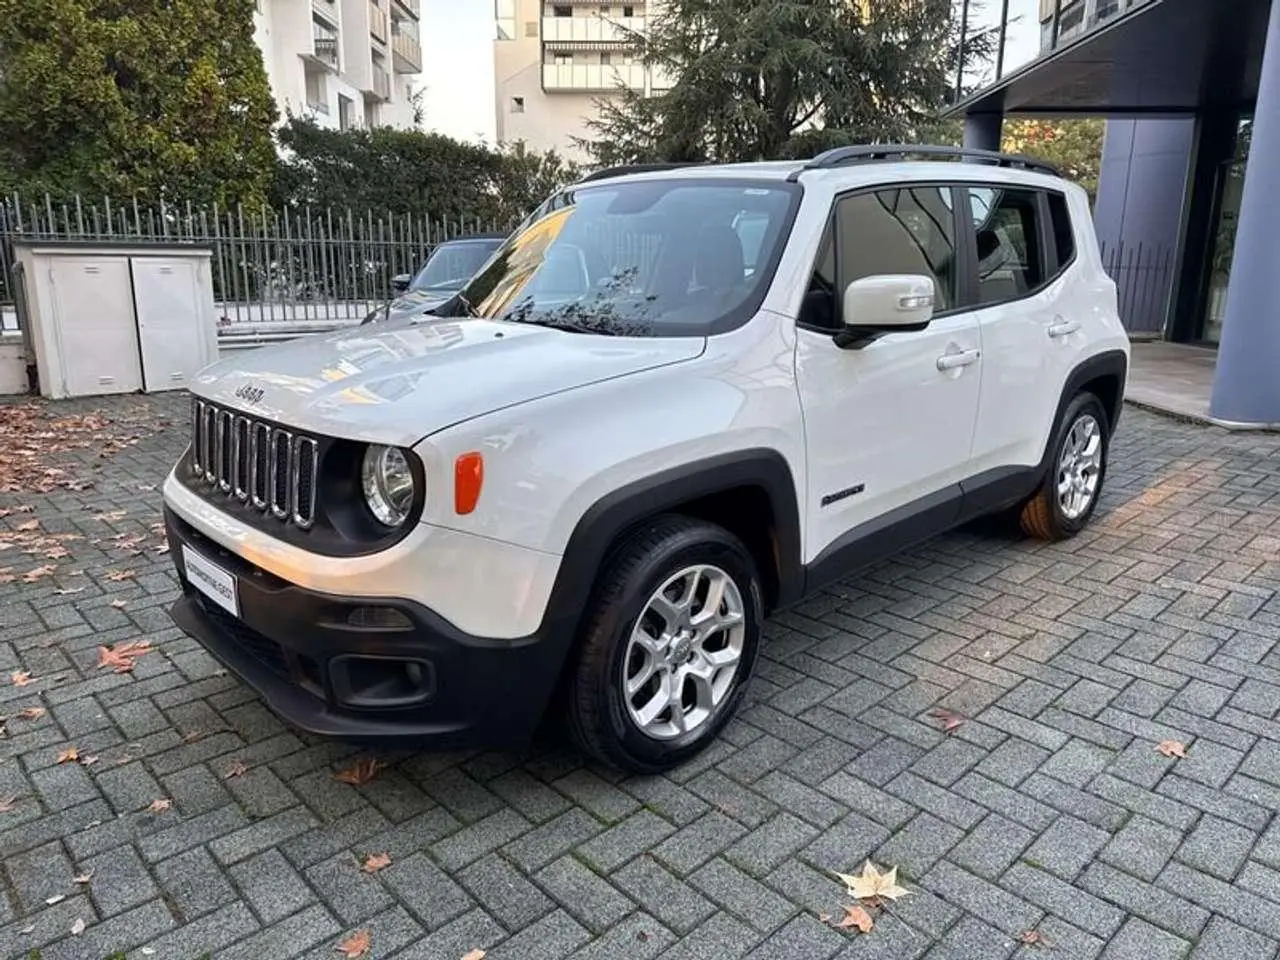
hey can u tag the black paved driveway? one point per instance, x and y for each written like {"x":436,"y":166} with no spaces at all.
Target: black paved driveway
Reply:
{"x":1048,"y":810}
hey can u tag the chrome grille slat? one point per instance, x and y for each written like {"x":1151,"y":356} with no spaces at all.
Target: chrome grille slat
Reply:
{"x":267,"y":467}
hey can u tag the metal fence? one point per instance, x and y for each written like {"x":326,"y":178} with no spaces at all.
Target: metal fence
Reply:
{"x":1144,"y":279}
{"x":293,"y":265}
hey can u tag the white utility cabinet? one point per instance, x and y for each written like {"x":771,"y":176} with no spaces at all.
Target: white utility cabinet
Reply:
{"x":105,"y":319}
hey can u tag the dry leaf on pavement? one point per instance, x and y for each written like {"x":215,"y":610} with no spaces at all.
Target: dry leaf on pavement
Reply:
{"x":39,"y":573}
{"x":31,"y":713}
{"x":8,"y":803}
{"x":474,"y":955}
{"x":1172,"y":748}
{"x":69,"y":755}
{"x":361,"y":772}
{"x":67,"y":591}
{"x":118,"y":575}
{"x":237,"y":769}
{"x":950,"y":721}
{"x":20,"y":678}
{"x":871,"y":883}
{"x":119,"y":604}
{"x":160,"y":806}
{"x":375,"y":862}
{"x":77,"y":928}
{"x":1033,"y":938}
{"x":84,"y":877}
{"x":121,"y":658}
{"x":29,"y":525}
{"x":856,"y":916}
{"x":356,"y":945}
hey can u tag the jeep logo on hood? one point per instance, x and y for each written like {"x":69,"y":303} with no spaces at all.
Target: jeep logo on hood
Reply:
{"x":250,"y":392}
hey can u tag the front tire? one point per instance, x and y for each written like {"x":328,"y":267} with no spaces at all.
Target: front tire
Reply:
{"x":669,"y":643}
{"x":1069,"y":492}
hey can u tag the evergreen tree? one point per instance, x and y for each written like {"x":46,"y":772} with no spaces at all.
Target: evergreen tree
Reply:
{"x":764,"y":79}
{"x":148,"y":98}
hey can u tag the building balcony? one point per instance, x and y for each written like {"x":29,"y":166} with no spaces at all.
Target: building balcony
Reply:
{"x":411,"y":7}
{"x":574,"y":30}
{"x":406,"y":53}
{"x":377,"y":22}
{"x":328,"y":9}
{"x":324,"y":52}
{"x":379,"y":84}
{"x":590,"y":77}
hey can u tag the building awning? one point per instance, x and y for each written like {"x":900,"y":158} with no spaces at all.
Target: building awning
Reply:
{"x":1164,"y":58}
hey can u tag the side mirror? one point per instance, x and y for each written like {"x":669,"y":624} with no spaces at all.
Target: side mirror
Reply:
{"x":400,"y":283}
{"x":890,"y":303}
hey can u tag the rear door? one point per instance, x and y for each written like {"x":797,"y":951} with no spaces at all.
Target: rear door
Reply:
{"x":1022,"y":306}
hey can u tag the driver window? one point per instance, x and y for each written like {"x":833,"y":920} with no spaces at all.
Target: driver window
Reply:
{"x":901,"y":230}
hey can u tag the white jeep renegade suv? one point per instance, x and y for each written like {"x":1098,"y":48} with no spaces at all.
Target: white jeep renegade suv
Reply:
{"x":674,"y":401}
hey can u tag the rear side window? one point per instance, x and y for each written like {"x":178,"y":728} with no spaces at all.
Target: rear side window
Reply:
{"x":1006,"y":225}
{"x":1064,"y":238}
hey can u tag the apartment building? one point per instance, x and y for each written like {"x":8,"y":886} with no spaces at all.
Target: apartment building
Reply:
{"x":554,"y":59}
{"x":345,"y":63}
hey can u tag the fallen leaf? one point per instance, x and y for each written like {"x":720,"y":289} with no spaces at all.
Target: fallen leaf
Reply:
{"x":32,"y":713}
{"x":84,"y":877}
{"x":361,"y":773}
{"x":1033,"y":938}
{"x":163,"y":548}
{"x":356,"y":945}
{"x":66,"y":591}
{"x":119,"y":604}
{"x":77,"y":928}
{"x":69,"y":755}
{"x":950,"y":721}
{"x":88,"y":761}
{"x":8,"y":803}
{"x":148,"y":951}
{"x":376,"y":862}
{"x":56,"y":898}
{"x":20,"y":678}
{"x":121,"y":658}
{"x":160,"y":806}
{"x":39,"y":573}
{"x":237,"y":769}
{"x":118,"y":575}
{"x":26,"y":508}
{"x":856,"y":916}
{"x":1172,"y":748}
{"x":147,"y":487}
{"x":27,"y":929}
{"x":474,"y":955}
{"x":872,"y":883}
{"x":29,"y":525}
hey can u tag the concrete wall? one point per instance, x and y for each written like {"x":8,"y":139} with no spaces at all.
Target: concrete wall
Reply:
{"x":1139,"y":209}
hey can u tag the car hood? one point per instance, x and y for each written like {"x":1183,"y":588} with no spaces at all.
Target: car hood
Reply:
{"x":396,"y":383}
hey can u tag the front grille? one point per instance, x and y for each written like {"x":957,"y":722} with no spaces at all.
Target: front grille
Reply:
{"x":271,"y":468}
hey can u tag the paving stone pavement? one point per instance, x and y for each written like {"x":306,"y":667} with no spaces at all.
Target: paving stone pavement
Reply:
{"x":1049,"y":809}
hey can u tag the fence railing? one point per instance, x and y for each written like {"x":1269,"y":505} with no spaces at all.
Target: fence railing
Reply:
{"x":295,"y":265}
{"x":1144,"y":280}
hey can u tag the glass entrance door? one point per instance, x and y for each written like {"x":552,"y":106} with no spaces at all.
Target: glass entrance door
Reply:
{"x":1230,"y":189}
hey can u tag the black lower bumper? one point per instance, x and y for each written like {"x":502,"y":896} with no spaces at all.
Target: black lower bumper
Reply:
{"x":410,"y":676}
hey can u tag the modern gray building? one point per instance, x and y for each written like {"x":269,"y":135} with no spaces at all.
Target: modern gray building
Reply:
{"x":1188,"y":202}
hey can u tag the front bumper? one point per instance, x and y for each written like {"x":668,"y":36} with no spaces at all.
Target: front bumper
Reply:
{"x":300,"y":650}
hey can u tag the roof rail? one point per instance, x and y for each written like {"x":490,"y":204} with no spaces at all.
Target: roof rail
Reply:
{"x":609,"y":172}
{"x":863,"y":153}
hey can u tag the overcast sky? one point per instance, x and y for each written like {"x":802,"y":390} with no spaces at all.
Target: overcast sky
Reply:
{"x":457,"y":67}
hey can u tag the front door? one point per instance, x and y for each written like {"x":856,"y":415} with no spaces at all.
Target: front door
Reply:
{"x":888,"y":426}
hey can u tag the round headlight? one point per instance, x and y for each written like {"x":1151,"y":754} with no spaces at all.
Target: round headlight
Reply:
{"x":388,"y":484}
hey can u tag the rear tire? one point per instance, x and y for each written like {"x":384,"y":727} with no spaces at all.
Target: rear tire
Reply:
{"x":659,"y":672}
{"x":1072,"y":485}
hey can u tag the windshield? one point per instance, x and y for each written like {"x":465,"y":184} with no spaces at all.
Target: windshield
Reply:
{"x":646,"y":258}
{"x":453,"y":264}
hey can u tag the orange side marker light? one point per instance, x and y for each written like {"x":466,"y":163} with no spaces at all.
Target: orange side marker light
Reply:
{"x":468,"y":478}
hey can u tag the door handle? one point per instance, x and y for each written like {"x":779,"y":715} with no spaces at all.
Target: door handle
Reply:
{"x":1062,"y":328}
{"x":950,"y":361}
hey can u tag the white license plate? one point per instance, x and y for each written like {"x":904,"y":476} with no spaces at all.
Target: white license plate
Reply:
{"x":211,"y":580}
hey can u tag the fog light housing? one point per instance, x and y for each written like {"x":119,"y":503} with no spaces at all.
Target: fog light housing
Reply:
{"x":381,"y":682}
